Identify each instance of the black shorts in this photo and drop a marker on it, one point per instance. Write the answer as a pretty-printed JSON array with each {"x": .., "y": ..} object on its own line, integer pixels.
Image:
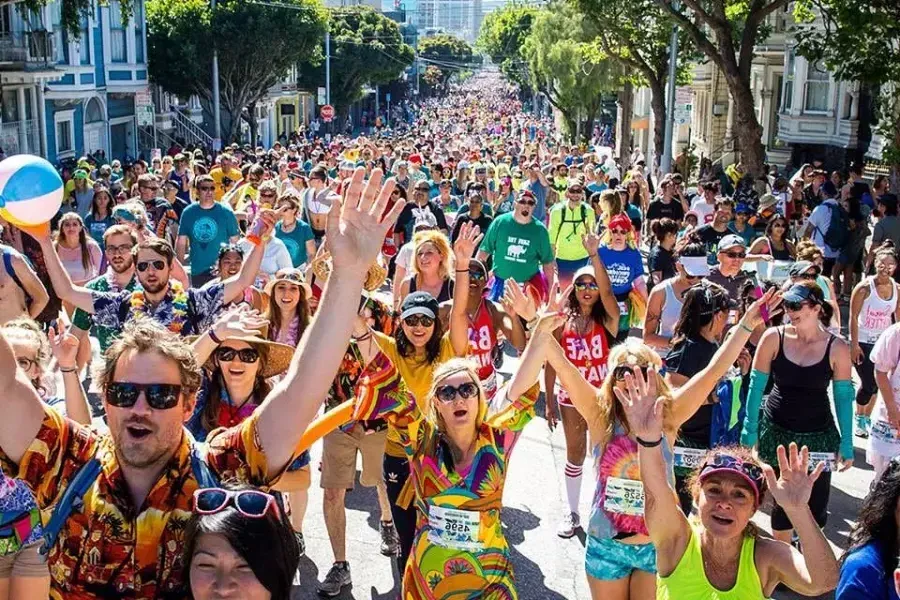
[
  {"x": 818, "y": 504},
  {"x": 866, "y": 371}
]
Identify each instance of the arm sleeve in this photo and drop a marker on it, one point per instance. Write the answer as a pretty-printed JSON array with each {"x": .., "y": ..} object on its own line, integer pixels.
[
  {"x": 842, "y": 389},
  {"x": 750, "y": 430}
]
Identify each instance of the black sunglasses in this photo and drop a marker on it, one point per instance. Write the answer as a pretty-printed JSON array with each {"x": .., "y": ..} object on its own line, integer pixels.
[
  {"x": 527, "y": 202},
  {"x": 160, "y": 396},
  {"x": 416, "y": 320},
  {"x": 622, "y": 370},
  {"x": 159, "y": 265},
  {"x": 245, "y": 355},
  {"x": 448, "y": 393},
  {"x": 794, "y": 306}
]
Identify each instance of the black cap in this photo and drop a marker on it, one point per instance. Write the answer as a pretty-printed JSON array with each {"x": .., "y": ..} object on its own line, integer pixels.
[{"x": 419, "y": 303}]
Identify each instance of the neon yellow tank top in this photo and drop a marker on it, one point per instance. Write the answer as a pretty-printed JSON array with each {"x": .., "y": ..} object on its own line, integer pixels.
[{"x": 688, "y": 580}]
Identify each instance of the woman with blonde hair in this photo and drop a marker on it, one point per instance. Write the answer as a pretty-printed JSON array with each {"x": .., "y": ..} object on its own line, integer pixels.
[
  {"x": 431, "y": 270},
  {"x": 621, "y": 560}
]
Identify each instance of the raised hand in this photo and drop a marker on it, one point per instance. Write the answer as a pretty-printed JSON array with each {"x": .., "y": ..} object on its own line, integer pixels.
[
  {"x": 793, "y": 487},
  {"x": 557, "y": 301},
  {"x": 517, "y": 302},
  {"x": 238, "y": 321},
  {"x": 754, "y": 316},
  {"x": 464, "y": 247},
  {"x": 64, "y": 345},
  {"x": 358, "y": 223},
  {"x": 591, "y": 243},
  {"x": 643, "y": 407}
]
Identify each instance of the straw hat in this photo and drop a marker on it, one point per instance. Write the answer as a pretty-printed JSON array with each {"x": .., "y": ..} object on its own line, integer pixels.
[
  {"x": 375, "y": 277},
  {"x": 293, "y": 276},
  {"x": 277, "y": 356}
]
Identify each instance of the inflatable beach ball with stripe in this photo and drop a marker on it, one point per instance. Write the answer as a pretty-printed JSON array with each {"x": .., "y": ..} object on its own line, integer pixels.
[{"x": 31, "y": 190}]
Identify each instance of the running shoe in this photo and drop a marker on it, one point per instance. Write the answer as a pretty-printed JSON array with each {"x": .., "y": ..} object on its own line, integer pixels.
[
  {"x": 861, "y": 426},
  {"x": 301, "y": 542},
  {"x": 338, "y": 577},
  {"x": 570, "y": 523},
  {"x": 390, "y": 541}
]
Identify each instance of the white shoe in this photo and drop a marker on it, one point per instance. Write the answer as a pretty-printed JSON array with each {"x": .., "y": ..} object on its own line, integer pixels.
[{"x": 570, "y": 523}]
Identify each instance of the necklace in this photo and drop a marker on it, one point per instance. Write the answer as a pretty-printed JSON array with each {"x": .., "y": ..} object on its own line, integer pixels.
[{"x": 179, "y": 305}]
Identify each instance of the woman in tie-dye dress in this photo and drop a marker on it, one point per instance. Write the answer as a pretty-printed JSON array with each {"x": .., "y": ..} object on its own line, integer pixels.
[{"x": 458, "y": 454}]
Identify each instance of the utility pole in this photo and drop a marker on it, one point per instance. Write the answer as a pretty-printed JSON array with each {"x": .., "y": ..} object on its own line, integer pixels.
[
  {"x": 217, "y": 112},
  {"x": 327, "y": 67},
  {"x": 665, "y": 159},
  {"x": 417, "y": 67}
]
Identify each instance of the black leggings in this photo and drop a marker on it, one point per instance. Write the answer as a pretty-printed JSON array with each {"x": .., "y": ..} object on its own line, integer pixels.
[
  {"x": 866, "y": 371},
  {"x": 818, "y": 504},
  {"x": 396, "y": 472}
]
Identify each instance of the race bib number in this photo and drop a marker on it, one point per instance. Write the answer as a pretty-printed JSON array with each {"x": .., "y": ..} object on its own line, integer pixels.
[
  {"x": 623, "y": 308},
  {"x": 455, "y": 529},
  {"x": 883, "y": 431},
  {"x": 689, "y": 458},
  {"x": 829, "y": 458},
  {"x": 624, "y": 496}
]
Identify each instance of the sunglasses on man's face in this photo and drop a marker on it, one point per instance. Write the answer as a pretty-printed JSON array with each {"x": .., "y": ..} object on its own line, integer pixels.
[
  {"x": 206, "y": 188},
  {"x": 416, "y": 320},
  {"x": 527, "y": 202},
  {"x": 245, "y": 355},
  {"x": 160, "y": 396},
  {"x": 735, "y": 255},
  {"x": 157, "y": 265},
  {"x": 448, "y": 393}
]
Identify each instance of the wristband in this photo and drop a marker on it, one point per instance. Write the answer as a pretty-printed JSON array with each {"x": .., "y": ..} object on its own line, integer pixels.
[
  {"x": 70, "y": 370},
  {"x": 462, "y": 270},
  {"x": 647, "y": 444},
  {"x": 745, "y": 328},
  {"x": 214, "y": 337}
]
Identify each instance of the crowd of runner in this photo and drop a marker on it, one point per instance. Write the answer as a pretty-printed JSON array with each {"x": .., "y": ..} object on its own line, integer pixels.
[{"x": 362, "y": 293}]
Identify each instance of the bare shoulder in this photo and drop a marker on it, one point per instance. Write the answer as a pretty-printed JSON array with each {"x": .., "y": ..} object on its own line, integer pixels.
[{"x": 770, "y": 557}]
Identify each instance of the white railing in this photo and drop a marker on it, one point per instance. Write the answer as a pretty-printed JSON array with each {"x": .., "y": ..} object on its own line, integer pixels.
[
  {"x": 184, "y": 127},
  {"x": 18, "y": 137},
  {"x": 27, "y": 47}
]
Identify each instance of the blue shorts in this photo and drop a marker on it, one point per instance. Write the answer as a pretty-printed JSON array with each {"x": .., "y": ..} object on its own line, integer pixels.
[{"x": 609, "y": 560}]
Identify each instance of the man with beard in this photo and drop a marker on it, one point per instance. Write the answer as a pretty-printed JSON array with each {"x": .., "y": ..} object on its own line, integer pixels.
[
  {"x": 183, "y": 311},
  {"x": 519, "y": 246},
  {"x": 119, "y": 241},
  {"x": 148, "y": 195},
  {"x": 712, "y": 233},
  {"x": 127, "y": 538}
]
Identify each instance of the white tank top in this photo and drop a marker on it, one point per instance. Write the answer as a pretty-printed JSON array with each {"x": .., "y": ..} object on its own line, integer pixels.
[
  {"x": 671, "y": 310},
  {"x": 876, "y": 314}
]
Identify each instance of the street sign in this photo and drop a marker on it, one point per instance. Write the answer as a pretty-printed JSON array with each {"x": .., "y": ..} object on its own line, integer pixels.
[
  {"x": 320, "y": 97},
  {"x": 143, "y": 98},
  {"x": 684, "y": 97},
  {"x": 327, "y": 113},
  {"x": 145, "y": 115},
  {"x": 387, "y": 96}
]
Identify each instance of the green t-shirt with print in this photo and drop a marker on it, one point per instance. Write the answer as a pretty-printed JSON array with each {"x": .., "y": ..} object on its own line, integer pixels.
[{"x": 519, "y": 251}]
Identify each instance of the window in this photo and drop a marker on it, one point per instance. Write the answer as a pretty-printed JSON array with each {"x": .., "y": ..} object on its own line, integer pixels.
[
  {"x": 788, "y": 95},
  {"x": 138, "y": 31},
  {"x": 5, "y": 20},
  {"x": 64, "y": 139},
  {"x": 60, "y": 38},
  {"x": 817, "y": 88},
  {"x": 84, "y": 43},
  {"x": 10, "y": 110},
  {"x": 118, "y": 52}
]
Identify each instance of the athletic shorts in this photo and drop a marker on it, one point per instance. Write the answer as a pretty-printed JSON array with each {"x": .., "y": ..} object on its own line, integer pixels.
[
  {"x": 609, "y": 559},
  {"x": 339, "y": 458},
  {"x": 27, "y": 562}
]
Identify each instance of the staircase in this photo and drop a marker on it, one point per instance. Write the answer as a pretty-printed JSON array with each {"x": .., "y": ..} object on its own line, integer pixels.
[{"x": 187, "y": 130}]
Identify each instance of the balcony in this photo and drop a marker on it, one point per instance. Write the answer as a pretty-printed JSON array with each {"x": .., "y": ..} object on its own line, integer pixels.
[
  {"x": 20, "y": 137},
  {"x": 27, "y": 51}
]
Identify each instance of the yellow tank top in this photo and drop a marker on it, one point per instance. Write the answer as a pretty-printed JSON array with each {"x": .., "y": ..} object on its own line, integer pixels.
[{"x": 688, "y": 581}]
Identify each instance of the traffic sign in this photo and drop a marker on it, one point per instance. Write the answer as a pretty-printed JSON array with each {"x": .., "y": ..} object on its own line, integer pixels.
[
  {"x": 327, "y": 113},
  {"x": 684, "y": 97},
  {"x": 321, "y": 96}
]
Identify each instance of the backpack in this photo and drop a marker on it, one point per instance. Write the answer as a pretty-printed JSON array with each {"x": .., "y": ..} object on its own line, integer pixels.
[
  {"x": 583, "y": 221},
  {"x": 838, "y": 232},
  {"x": 85, "y": 477}
]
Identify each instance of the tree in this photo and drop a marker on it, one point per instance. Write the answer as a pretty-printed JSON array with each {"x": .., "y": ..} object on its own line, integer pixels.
[
  {"x": 447, "y": 54},
  {"x": 502, "y": 37},
  {"x": 73, "y": 11},
  {"x": 565, "y": 66},
  {"x": 726, "y": 31},
  {"x": 366, "y": 49},
  {"x": 257, "y": 46},
  {"x": 859, "y": 42},
  {"x": 636, "y": 34}
]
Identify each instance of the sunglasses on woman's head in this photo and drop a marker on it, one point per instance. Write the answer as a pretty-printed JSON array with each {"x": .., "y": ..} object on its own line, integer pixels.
[
  {"x": 727, "y": 461},
  {"x": 416, "y": 320},
  {"x": 245, "y": 355},
  {"x": 253, "y": 504},
  {"x": 448, "y": 393},
  {"x": 160, "y": 396},
  {"x": 158, "y": 265}
]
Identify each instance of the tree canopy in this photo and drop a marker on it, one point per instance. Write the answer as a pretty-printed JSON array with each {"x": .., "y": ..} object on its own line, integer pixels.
[
  {"x": 257, "y": 46},
  {"x": 502, "y": 38},
  {"x": 367, "y": 49}
]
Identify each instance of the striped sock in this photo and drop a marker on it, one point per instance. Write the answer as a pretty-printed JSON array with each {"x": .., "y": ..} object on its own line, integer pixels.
[{"x": 573, "y": 485}]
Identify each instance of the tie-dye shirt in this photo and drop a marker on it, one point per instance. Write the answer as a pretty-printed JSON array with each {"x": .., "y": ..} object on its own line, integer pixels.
[
  {"x": 110, "y": 548},
  {"x": 459, "y": 549}
]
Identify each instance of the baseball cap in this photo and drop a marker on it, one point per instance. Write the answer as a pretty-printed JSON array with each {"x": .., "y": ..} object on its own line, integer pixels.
[
  {"x": 695, "y": 266},
  {"x": 586, "y": 270},
  {"x": 801, "y": 267},
  {"x": 742, "y": 209},
  {"x": 798, "y": 293},
  {"x": 731, "y": 241},
  {"x": 419, "y": 303}
]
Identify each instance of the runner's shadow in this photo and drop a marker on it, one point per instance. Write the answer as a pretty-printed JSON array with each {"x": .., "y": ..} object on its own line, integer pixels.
[
  {"x": 529, "y": 577},
  {"x": 365, "y": 500}
]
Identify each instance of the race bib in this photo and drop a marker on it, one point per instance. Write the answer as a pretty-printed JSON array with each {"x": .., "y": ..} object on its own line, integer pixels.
[
  {"x": 689, "y": 458},
  {"x": 623, "y": 308},
  {"x": 829, "y": 458},
  {"x": 624, "y": 496},
  {"x": 883, "y": 431},
  {"x": 455, "y": 529}
]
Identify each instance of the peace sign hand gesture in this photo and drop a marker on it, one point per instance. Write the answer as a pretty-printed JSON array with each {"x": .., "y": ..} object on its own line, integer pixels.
[
  {"x": 794, "y": 486},
  {"x": 643, "y": 407}
]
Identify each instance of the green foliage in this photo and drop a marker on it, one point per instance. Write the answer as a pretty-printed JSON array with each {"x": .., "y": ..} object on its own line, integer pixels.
[
  {"x": 502, "y": 37},
  {"x": 257, "y": 45},
  {"x": 75, "y": 11},
  {"x": 367, "y": 48},
  {"x": 447, "y": 54}
]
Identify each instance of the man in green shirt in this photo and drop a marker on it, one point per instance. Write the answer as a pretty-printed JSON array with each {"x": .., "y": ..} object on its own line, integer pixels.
[
  {"x": 519, "y": 247},
  {"x": 569, "y": 221},
  {"x": 118, "y": 241}
]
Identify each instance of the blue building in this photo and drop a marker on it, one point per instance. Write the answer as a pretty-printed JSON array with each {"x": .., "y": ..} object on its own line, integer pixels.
[{"x": 62, "y": 96}]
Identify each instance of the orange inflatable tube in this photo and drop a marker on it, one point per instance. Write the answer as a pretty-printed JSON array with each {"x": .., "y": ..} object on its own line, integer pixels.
[{"x": 324, "y": 425}]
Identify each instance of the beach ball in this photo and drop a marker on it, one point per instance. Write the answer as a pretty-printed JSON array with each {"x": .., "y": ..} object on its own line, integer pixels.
[{"x": 31, "y": 191}]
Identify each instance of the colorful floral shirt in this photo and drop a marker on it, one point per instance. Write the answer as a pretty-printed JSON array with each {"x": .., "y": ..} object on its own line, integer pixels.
[
  {"x": 110, "y": 548},
  {"x": 85, "y": 321},
  {"x": 459, "y": 549},
  {"x": 113, "y": 309}
]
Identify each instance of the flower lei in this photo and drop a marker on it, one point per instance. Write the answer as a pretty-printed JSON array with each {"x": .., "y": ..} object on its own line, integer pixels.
[{"x": 179, "y": 305}]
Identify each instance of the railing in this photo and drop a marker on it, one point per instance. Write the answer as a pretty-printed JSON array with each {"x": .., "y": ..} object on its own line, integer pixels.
[
  {"x": 184, "y": 127},
  {"x": 18, "y": 137},
  {"x": 33, "y": 47}
]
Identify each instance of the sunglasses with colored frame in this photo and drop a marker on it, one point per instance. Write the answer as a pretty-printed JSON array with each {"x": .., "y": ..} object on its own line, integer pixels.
[
  {"x": 586, "y": 286},
  {"x": 158, "y": 265},
  {"x": 477, "y": 274},
  {"x": 448, "y": 393},
  {"x": 416, "y": 320},
  {"x": 160, "y": 396},
  {"x": 245, "y": 355},
  {"x": 253, "y": 504}
]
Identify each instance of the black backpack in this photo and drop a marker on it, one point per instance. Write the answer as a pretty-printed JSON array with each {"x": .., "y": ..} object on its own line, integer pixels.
[{"x": 838, "y": 232}]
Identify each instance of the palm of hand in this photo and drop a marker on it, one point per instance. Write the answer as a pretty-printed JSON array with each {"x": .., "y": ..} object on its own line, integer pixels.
[
  {"x": 792, "y": 492},
  {"x": 356, "y": 237},
  {"x": 66, "y": 348}
]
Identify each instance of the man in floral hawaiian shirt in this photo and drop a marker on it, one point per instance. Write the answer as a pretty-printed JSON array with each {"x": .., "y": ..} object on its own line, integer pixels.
[
  {"x": 128, "y": 538},
  {"x": 186, "y": 312}
]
